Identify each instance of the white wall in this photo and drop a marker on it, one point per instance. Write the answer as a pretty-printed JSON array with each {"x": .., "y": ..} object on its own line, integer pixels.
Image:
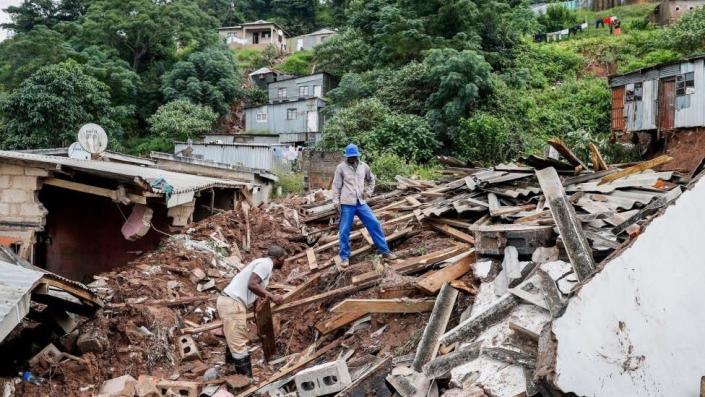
[{"x": 636, "y": 328}]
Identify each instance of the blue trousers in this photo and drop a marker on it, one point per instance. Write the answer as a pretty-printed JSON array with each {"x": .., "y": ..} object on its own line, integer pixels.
[{"x": 363, "y": 211}]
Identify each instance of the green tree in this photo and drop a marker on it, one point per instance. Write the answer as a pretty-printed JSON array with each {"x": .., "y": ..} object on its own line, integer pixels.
[
  {"x": 296, "y": 16},
  {"x": 343, "y": 53},
  {"x": 32, "y": 13},
  {"x": 298, "y": 63},
  {"x": 209, "y": 77},
  {"x": 557, "y": 17},
  {"x": 49, "y": 107},
  {"x": 688, "y": 35},
  {"x": 181, "y": 120}
]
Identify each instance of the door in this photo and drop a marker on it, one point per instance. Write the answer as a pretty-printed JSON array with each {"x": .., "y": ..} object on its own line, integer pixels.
[
  {"x": 312, "y": 122},
  {"x": 618, "y": 108},
  {"x": 666, "y": 105},
  {"x": 299, "y": 44},
  {"x": 255, "y": 37}
]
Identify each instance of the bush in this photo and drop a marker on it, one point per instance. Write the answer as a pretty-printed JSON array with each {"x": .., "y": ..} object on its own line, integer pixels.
[
  {"x": 388, "y": 165},
  {"x": 299, "y": 63},
  {"x": 249, "y": 59},
  {"x": 557, "y": 17},
  {"x": 255, "y": 96},
  {"x": 486, "y": 138},
  {"x": 348, "y": 124},
  {"x": 290, "y": 184},
  {"x": 688, "y": 35},
  {"x": 180, "y": 120}
]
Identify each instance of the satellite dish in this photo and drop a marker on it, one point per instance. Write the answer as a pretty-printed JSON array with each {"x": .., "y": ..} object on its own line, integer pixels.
[
  {"x": 93, "y": 138},
  {"x": 78, "y": 153}
]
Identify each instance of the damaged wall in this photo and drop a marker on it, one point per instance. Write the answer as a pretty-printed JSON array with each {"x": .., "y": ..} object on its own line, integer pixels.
[
  {"x": 83, "y": 234},
  {"x": 633, "y": 329}
]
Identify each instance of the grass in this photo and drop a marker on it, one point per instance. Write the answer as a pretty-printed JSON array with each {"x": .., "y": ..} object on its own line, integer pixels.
[
  {"x": 290, "y": 183},
  {"x": 249, "y": 59}
]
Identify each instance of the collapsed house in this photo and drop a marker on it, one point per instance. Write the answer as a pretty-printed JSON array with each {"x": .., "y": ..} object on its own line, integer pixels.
[
  {"x": 81, "y": 217},
  {"x": 547, "y": 277}
]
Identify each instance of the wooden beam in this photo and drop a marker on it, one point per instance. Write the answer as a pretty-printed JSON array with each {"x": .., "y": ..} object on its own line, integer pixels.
[
  {"x": 311, "y": 256},
  {"x": 301, "y": 288},
  {"x": 316, "y": 298},
  {"x": 598, "y": 163},
  {"x": 643, "y": 166},
  {"x": 338, "y": 321},
  {"x": 433, "y": 282},
  {"x": 366, "y": 236},
  {"x": 504, "y": 211},
  {"x": 576, "y": 245},
  {"x": 94, "y": 190},
  {"x": 413, "y": 264},
  {"x": 568, "y": 154},
  {"x": 452, "y": 222},
  {"x": 384, "y": 306},
  {"x": 454, "y": 233},
  {"x": 265, "y": 328}
]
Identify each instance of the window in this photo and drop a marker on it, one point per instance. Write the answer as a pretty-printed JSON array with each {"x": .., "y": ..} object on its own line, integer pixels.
[
  {"x": 317, "y": 91},
  {"x": 261, "y": 117},
  {"x": 634, "y": 92},
  {"x": 291, "y": 114},
  {"x": 303, "y": 91},
  {"x": 685, "y": 84},
  {"x": 281, "y": 93}
]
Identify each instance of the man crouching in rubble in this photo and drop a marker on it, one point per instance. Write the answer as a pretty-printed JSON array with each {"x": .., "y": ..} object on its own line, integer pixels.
[
  {"x": 353, "y": 184},
  {"x": 239, "y": 296}
]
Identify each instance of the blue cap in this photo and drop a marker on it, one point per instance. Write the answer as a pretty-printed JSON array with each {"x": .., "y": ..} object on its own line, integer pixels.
[{"x": 352, "y": 151}]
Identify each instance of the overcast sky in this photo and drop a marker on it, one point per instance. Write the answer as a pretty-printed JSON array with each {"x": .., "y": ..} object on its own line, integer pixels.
[{"x": 3, "y": 16}]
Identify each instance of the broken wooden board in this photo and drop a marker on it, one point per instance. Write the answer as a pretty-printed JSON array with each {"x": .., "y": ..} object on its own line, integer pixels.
[
  {"x": 576, "y": 245},
  {"x": 454, "y": 233},
  {"x": 338, "y": 321},
  {"x": 265, "y": 328},
  {"x": 311, "y": 256},
  {"x": 568, "y": 154},
  {"x": 433, "y": 282},
  {"x": 493, "y": 239},
  {"x": 643, "y": 166},
  {"x": 384, "y": 306},
  {"x": 598, "y": 163}
]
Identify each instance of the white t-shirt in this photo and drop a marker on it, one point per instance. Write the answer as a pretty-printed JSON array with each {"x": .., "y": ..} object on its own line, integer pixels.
[{"x": 238, "y": 287}]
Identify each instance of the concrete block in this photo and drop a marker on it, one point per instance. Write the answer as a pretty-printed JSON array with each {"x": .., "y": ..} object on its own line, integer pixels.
[
  {"x": 16, "y": 196},
  {"x": 23, "y": 182},
  {"x": 9, "y": 169},
  {"x": 5, "y": 181},
  {"x": 188, "y": 349},
  {"x": 147, "y": 386},
  {"x": 323, "y": 379},
  {"x": 123, "y": 386},
  {"x": 68, "y": 341},
  {"x": 45, "y": 359},
  {"x": 196, "y": 275},
  {"x": 178, "y": 388},
  {"x": 4, "y": 209},
  {"x": 32, "y": 210},
  {"x": 91, "y": 342},
  {"x": 29, "y": 171}
]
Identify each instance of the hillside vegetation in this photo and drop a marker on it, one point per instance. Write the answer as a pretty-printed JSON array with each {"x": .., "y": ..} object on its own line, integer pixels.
[{"x": 417, "y": 78}]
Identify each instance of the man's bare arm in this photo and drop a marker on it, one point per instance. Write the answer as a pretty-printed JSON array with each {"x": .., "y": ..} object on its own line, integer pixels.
[{"x": 257, "y": 289}]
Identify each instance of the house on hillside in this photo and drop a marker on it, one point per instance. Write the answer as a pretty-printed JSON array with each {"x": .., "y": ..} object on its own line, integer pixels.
[
  {"x": 258, "y": 34},
  {"x": 663, "y": 107},
  {"x": 294, "y": 109},
  {"x": 308, "y": 41},
  {"x": 670, "y": 11},
  {"x": 263, "y": 76}
]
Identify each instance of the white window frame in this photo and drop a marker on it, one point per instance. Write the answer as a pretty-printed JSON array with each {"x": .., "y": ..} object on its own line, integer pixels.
[
  {"x": 261, "y": 117},
  {"x": 291, "y": 111},
  {"x": 281, "y": 93},
  {"x": 303, "y": 88}
]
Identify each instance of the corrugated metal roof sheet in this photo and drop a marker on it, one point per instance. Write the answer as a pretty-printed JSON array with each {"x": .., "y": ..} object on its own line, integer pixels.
[
  {"x": 182, "y": 183},
  {"x": 16, "y": 285}
]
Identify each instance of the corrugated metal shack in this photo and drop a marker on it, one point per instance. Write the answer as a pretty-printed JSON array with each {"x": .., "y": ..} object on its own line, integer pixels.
[
  {"x": 661, "y": 98},
  {"x": 264, "y": 157}
]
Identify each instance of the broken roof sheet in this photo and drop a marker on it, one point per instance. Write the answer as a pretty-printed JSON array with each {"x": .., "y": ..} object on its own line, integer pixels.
[
  {"x": 182, "y": 183},
  {"x": 16, "y": 285}
]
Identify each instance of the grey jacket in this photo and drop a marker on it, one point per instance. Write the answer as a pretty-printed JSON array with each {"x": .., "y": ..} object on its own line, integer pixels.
[{"x": 351, "y": 185}]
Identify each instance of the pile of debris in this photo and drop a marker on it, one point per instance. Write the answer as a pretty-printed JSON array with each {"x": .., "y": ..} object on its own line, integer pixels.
[{"x": 488, "y": 259}]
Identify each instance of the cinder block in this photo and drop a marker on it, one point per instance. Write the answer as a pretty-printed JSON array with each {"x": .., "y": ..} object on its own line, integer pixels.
[
  {"x": 23, "y": 182},
  {"x": 5, "y": 181},
  {"x": 14, "y": 210},
  {"x": 123, "y": 386},
  {"x": 9, "y": 169},
  {"x": 4, "y": 209},
  {"x": 32, "y": 209},
  {"x": 29, "y": 171},
  {"x": 147, "y": 387},
  {"x": 180, "y": 388},
  {"x": 45, "y": 359},
  {"x": 323, "y": 379},
  {"x": 15, "y": 196},
  {"x": 188, "y": 348}
]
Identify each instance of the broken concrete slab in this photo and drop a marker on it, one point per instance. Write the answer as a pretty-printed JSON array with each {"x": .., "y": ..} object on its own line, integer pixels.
[
  {"x": 436, "y": 326},
  {"x": 123, "y": 386},
  {"x": 545, "y": 254},
  {"x": 91, "y": 341},
  {"x": 485, "y": 270},
  {"x": 556, "y": 269},
  {"x": 648, "y": 342},
  {"x": 510, "y": 356},
  {"x": 472, "y": 327},
  {"x": 409, "y": 383},
  {"x": 146, "y": 386},
  {"x": 443, "y": 364}
]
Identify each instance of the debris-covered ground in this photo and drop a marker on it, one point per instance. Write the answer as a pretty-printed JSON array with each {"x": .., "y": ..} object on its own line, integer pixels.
[{"x": 487, "y": 258}]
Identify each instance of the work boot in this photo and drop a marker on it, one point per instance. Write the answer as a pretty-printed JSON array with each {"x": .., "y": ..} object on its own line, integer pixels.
[
  {"x": 390, "y": 256},
  {"x": 243, "y": 366}
]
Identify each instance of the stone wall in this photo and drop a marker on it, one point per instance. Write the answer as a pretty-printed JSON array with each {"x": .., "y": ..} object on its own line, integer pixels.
[
  {"x": 21, "y": 213},
  {"x": 319, "y": 167}
]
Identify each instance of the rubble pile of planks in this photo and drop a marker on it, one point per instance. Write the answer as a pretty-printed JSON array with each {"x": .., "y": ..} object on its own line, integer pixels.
[{"x": 528, "y": 234}]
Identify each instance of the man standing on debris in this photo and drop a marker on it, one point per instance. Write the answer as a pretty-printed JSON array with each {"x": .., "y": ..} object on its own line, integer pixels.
[
  {"x": 239, "y": 296},
  {"x": 353, "y": 184}
]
